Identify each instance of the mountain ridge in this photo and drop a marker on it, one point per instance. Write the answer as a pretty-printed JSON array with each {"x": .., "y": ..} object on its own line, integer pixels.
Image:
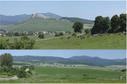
[
  {"x": 94, "y": 61},
  {"x": 13, "y": 19}
]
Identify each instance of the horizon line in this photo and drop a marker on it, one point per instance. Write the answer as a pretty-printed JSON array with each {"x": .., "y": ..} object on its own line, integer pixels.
[{"x": 68, "y": 57}]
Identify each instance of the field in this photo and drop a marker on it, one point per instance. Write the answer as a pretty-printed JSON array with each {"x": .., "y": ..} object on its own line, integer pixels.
[
  {"x": 106, "y": 41},
  {"x": 72, "y": 75},
  {"x": 113, "y": 41}
]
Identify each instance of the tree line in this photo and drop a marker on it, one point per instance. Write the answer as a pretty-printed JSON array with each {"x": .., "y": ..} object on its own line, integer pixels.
[
  {"x": 102, "y": 25},
  {"x": 105, "y": 25}
]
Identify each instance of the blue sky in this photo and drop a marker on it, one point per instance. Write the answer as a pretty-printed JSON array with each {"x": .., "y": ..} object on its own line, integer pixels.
[
  {"x": 109, "y": 54},
  {"x": 83, "y": 9}
]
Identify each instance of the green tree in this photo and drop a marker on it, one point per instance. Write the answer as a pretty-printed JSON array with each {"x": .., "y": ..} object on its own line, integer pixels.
[
  {"x": 106, "y": 24},
  {"x": 77, "y": 26},
  {"x": 101, "y": 25},
  {"x": 122, "y": 22},
  {"x": 98, "y": 25},
  {"x": 115, "y": 24},
  {"x": 6, "y": 60}
]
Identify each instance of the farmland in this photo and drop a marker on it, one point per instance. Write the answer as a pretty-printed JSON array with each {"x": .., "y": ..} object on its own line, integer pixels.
[{"x": 72, "y": 75}]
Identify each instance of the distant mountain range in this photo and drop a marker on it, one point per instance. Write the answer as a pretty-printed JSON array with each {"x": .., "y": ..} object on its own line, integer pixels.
[
  {"x": 5, "y": 20},
  {"x": 92, "y": 61}
]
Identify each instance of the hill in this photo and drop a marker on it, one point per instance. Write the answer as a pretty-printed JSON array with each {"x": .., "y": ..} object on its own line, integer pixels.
[
  {"x": 52, "y": 15},
  {"x": 92, "y": 61},
  {"x": 6, "y": 20},
  {"x": 41, "y": 24},
  {"x": 75, "y": 19}
]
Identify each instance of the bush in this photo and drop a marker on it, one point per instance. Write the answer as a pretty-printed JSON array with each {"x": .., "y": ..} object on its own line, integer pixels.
[
  {"x": 21, "y": 74},
  {"x": 8, "y": 71},
  {"x": 4, "y": 43},
  {"x": 23, "y": 43},
  {"x": 87, "y": 31},
  {"x": 41, "y": 36},
  {"x": 74, "y": 34},
  {"x": 59, "y": 34}
]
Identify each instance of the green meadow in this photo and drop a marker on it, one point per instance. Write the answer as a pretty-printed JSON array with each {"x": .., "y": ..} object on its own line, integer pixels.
[
  {"x": 108, "y": 41},
  {"x": 105, "y": 41},
  {"x": 71, "y": 75}
]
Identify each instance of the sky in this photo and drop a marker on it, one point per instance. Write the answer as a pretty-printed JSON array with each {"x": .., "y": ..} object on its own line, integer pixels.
[
  {"x": 82, "y": 9},
  {"x": 108, "y": 54}
]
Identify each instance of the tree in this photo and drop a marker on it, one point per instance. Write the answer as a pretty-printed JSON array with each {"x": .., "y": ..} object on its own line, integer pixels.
[
  {"x": 101, "y": 25},
  {"x": 97, "y": 25},
  {"x": 122, "y": 22},
  {"x": 77, "y": 26},
  {"x": 6, "y": 60},
  {"x": 106, "y": 25},
  {"x": 115, "y": 24}
]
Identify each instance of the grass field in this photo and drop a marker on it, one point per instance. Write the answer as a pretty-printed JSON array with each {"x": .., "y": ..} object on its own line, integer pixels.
[
  {"x": 112, "y": 41},
  {"x": 72, "y": 75},
  {"x": 106, "y": 41}
]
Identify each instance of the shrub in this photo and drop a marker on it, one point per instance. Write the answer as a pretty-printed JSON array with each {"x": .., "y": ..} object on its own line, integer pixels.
[
  {"x": 8, "y": 71},
  {"x": 87, "y": 31},
  {"x": 74, "y": 34},
  {"x": 23, "y": 43},
  {"x": 4, "y": 43},
  {"x": 21, "y": 74},
  {"x": 59, "y": 34},
  {"x": 41, "y": 36}
]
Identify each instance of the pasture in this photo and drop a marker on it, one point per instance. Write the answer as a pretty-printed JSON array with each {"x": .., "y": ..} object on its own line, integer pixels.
[
  {"x": 71, "y": 75},
  {"x": 105, "y": 41}
]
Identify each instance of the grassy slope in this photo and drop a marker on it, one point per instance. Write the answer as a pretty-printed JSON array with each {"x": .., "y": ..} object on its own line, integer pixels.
[
  {"x": 39, "y": 24},
  {"x": 72, "y": 75},
  {"x": 112, "y": 41}
]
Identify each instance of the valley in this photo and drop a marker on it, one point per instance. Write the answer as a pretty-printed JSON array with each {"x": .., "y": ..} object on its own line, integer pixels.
[{"x": 48, "y": 69}]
